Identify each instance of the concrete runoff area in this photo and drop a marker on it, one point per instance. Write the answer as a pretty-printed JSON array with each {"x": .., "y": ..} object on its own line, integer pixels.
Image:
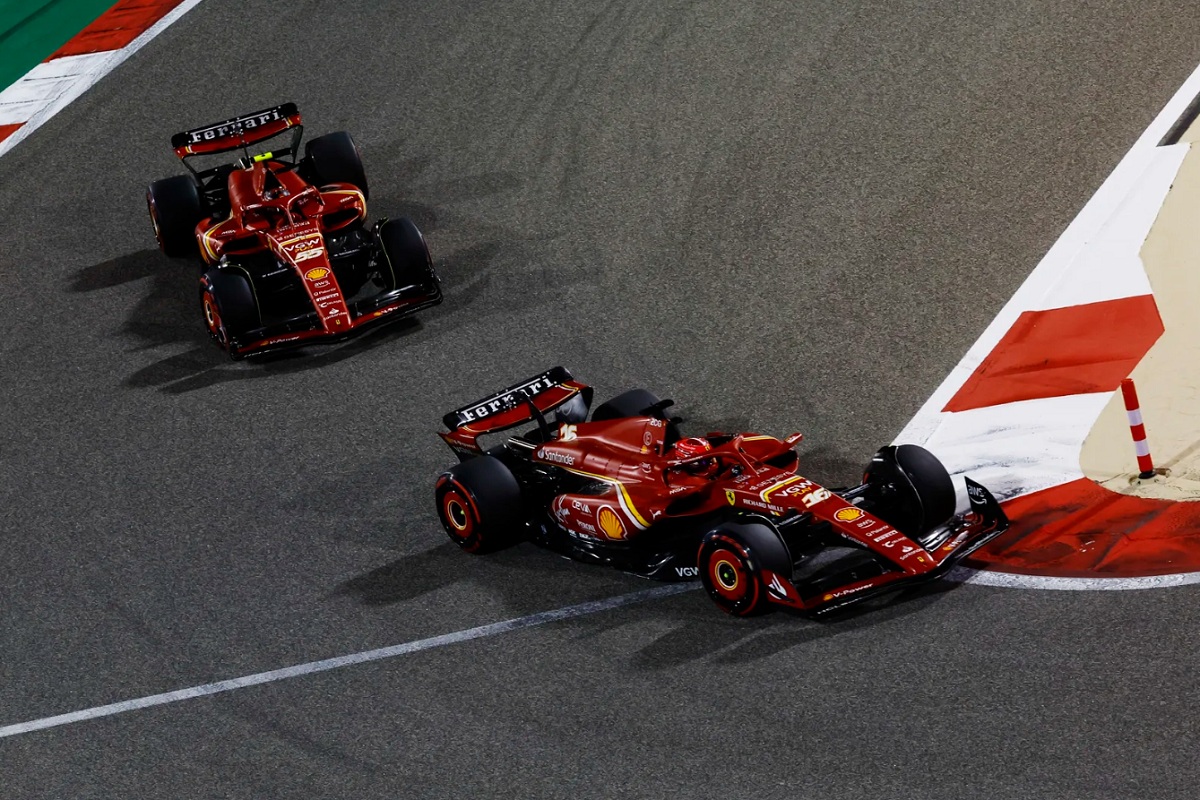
[{"x": 1168, "y": 377}]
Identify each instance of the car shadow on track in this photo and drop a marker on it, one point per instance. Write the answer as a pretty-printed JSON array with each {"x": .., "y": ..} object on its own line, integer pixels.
[
  {"x": 168, "y": 315},
  {"x": 702, "y": 632},
  {"x": 520, "y": 579}
]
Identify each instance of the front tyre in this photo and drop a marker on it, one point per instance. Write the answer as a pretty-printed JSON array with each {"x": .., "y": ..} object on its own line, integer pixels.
[
  {"x": 479, "y": 504},
  {"x": 917, "y": 494},
  {"x": 731, "y": 561},
  {"x": 403, "y": 255},
  {"x": 228, "y": 305}
]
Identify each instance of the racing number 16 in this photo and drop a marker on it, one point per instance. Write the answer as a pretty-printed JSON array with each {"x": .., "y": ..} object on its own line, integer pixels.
[{"x": 814, "y": 497}]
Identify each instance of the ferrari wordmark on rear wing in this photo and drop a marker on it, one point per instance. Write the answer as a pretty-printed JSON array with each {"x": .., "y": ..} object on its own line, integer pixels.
[
  {"x": 513, "y": 406},
  {"x": 237, "y": 131}
]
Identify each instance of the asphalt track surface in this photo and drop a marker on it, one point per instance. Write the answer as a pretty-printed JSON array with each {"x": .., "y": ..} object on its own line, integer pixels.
[{"x": 786, "y": 215}]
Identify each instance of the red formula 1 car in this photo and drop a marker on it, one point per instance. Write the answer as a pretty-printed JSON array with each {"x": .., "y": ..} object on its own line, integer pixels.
[
  {"x": 287, "y": 258},
  {"x": 625, "y": 489}
]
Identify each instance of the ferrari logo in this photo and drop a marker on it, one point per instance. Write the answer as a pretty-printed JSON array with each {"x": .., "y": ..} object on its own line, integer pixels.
[{"x": 730, "y": 496}]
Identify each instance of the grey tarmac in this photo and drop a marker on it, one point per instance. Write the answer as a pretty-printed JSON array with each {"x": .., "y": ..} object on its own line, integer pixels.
[{"x": 785, "y": 215}]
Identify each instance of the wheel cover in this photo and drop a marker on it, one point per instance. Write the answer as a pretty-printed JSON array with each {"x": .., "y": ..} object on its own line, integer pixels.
[
  {"x": 456, "y": 513},
  {"x": 154, "y": 222},
  {"x": 212, "y": 318},
  {"x": 729, "y": 575}
]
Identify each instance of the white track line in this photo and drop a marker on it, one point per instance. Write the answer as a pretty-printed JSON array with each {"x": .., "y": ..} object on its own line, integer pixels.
[
  {"x": 1010, "y": 580},
  {"x": 311, "y": 667}
]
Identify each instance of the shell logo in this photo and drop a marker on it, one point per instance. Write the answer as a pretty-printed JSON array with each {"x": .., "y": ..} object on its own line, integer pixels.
[
  {"x": 316, "y": 273},
  {"x": 848, "y": 514},
  {"x": 610, "y": 523}
]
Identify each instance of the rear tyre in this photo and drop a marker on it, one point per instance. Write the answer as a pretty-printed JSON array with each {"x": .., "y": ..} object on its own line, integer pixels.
[
  {"x": 632, "y": 403},
  {"x": 404, "y": 255},
  {"x": 731, "y": 560},
  {"x": 334, "y": 158},
  {"x": 923, "y": 496},
  {"x": 175, "y": 207},
  {"x": 479, "y": 504},
  {"x": 228, "y": 305}
]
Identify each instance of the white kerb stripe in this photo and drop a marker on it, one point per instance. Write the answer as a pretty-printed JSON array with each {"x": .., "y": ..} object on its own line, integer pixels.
[{"x": 311, "y": 667}]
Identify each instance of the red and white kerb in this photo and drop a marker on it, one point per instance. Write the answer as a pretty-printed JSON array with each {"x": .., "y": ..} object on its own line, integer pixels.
[{"x": 1140, "y": 446}]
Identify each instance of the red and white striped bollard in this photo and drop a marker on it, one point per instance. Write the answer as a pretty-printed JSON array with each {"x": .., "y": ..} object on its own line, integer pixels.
[{"x": 1140, "y": 446}]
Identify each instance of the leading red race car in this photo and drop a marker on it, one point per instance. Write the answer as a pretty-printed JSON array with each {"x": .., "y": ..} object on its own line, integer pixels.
[
  {"x": 287, "y": 258},
  {"x": 626, "y": 489}
]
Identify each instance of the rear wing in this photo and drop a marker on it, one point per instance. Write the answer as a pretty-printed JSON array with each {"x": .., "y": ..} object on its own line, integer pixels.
[
  {"x": 518, "y": 404},
  {"x": 238, "y": 131}
]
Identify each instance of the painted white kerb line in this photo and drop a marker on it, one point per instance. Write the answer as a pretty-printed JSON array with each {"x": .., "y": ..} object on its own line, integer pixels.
[{"x": 325, "y": 665}]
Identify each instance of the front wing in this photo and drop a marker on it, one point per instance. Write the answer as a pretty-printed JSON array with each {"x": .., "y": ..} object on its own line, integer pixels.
[
  {"x": 966, "y": 534},
  {"x": 366, "y": 314}
]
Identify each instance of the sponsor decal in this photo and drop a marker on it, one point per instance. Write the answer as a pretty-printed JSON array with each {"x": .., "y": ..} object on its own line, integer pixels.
[
  {"x": 647, "y": 438},
  {"x": 610, "y": 523},
  {"x": 233, "y": 127},
  {"x": 729, "y": 495},
  {"x": 776, "y": 587},
  {"x": 587, "y": 526},
  {"x": 848, "y": 514},
  {"x": 556, "y": 458},
  {"x": 955, "y": 542},
  {"x": 687, "y": 572},
  {"x": 318, "y": 274},
  {"x": 578, "y": 506},
  {"x": 505, "y": 401}
]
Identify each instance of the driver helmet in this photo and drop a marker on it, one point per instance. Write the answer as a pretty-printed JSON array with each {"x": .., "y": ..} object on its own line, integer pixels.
[{"x": 691, "y": 447}]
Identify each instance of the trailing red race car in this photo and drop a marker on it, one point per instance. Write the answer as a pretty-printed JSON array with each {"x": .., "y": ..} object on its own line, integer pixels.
[
  {"x": 287, "y": 258},
  {"x": 625, "y": 489}
]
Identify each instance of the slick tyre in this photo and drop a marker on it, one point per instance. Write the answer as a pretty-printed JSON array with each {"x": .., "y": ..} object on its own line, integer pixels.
[
  {"x": 931, "y": 481},
  {"x": 632, "y": 403},
  {"x": 175, "y": 207},
  {"x": 924, "y": 496},
  {"x": 479, "y": 504},
  {"x": 228, "y": 305},
  {"x": 334, "y": 158},
  {"x": 403, "y": 256},
  {"x": 731, "y": 561}
]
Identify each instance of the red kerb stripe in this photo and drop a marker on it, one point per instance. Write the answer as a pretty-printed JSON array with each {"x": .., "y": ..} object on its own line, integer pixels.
[
  {"x": 1080, "y": 529},
  {"x": 1063, "y": 351},
  {"x": 116, "y": 27}
]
